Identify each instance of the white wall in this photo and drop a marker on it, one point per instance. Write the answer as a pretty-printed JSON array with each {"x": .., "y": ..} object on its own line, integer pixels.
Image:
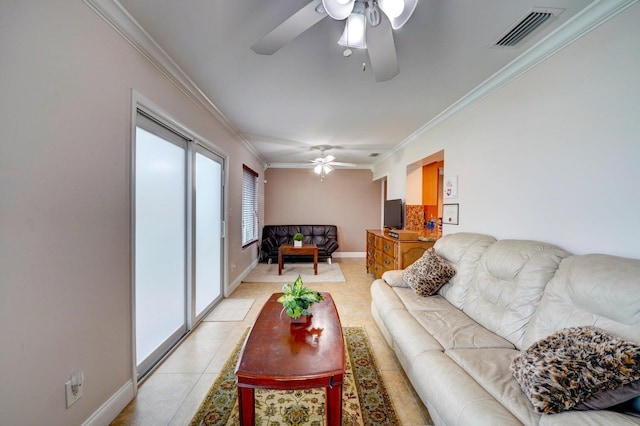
[
  {"x": 554, "y": 155},
  {"x": 66, "y": 79}
]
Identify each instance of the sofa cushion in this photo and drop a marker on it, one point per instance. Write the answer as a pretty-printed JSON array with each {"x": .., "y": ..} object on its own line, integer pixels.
[
  {"x": 451, "y": 327},
  {"x": 453, "y": 396},
  {"x": 580, "y": 294},
  {"x": 463, "y": 250},
  {"x": 427, "y": 274},
  {"x": 490, "y": 369},
  {"x": 508, "y": 284},
  {"x": 574, "y": 364}
]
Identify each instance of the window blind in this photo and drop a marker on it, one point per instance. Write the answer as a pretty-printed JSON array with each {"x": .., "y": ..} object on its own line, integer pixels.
[{"x": 249, "y": 206}]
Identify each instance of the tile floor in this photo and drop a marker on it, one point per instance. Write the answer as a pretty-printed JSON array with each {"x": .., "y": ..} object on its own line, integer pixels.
[{"x": 172, "y": 394}]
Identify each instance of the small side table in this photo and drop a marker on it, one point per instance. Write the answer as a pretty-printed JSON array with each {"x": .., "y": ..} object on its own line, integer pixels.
[{"x": 305, "y": 250}]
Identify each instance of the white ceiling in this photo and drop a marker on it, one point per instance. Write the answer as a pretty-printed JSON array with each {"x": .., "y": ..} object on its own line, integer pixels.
[{"x": 308, "y": 94}]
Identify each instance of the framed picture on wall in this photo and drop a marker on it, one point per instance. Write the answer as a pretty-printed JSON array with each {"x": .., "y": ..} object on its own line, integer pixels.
[
  {"x": 450, "y": 214},
  {"x": 451, "y": 187}
]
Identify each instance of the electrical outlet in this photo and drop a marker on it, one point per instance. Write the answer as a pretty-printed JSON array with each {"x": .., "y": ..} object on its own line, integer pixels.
[{"x": 73, "y": 393}]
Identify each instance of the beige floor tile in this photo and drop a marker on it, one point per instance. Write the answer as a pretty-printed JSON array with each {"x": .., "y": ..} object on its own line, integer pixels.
[
  {"x": 193, "y": 400},
  {"x": 173, "y": 393}
]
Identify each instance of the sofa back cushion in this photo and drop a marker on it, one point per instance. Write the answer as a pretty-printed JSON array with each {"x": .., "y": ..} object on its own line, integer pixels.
[
  {"x": 508, "y": 284},
  {"x": 593, "y": 289},
  {"x": 463, "y": 250},
  {"x": 317, "y": 234}
]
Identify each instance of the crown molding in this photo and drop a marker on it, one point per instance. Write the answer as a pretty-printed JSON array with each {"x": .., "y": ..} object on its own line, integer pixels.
[
  {"x": 591, "y": 17},
  {"x": 120, "y": 20},
  {"x": 586, "y": 20},
  {"x": 311, "y": 165}
]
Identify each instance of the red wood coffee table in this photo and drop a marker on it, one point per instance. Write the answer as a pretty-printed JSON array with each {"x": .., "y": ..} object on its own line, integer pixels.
[
  {"x": 305, "y": 250},
  {"x": 280, "y": 355}
]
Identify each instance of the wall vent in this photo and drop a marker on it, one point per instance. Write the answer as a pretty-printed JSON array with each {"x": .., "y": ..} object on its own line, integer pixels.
[{"x": 528, "y": 23}]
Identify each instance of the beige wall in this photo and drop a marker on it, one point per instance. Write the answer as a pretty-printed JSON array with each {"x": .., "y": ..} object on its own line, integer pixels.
[
  {"x": 66, "y": 79},
  {"x": 346, "y": 198}
]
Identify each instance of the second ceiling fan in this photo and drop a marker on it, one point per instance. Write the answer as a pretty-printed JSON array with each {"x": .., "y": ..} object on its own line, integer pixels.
[
  {"x": 369, "y": 25},
  {"x": 323, "y": 165}
]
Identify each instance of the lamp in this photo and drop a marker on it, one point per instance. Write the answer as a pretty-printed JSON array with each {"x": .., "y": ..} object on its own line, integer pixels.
[
  {"x": 354, "y": 32},
  {"x": 398, "y": 11},
  {"x": 322, "y": 170},
  {"x": 338, "y": 9},
  {"x": 391, "y": 8}
]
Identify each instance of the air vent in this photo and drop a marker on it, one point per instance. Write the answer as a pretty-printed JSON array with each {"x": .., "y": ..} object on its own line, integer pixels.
[{"x": 531, "y": 21}]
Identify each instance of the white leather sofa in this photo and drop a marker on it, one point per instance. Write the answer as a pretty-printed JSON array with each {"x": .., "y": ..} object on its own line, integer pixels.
[{"x": 456, "y": 346}]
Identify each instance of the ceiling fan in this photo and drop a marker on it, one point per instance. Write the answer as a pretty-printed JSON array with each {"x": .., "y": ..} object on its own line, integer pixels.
[
  {"x": 323, "y": 165},
  {"x": 369, "y": 24}
]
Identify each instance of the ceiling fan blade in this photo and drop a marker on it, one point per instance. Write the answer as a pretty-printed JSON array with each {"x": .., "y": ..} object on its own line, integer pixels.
[
  {"x": 295, "y": 25},
  {"x": 328, "y": 158},
  {"x": 382, "y": 50}
]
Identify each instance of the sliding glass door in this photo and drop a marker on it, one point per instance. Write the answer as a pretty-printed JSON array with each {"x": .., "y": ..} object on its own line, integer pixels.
[
  {"x": 178, "y": 239},
  {"x": 160, "y": 241},
  {"x": 208, "y": 230}
]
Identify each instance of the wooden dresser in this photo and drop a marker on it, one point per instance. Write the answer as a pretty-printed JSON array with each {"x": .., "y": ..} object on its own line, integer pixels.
[{"x": 385, "y": 253}]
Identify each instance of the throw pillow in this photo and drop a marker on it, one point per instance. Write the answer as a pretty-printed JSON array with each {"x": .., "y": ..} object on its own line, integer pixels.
[
  {"x": 427, "y": 274},
  {"x": 611, "y": 398},
  {"x": 572, "y": 365}
]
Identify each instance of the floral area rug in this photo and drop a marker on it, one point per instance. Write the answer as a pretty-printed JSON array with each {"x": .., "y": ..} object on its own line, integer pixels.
[{"x": 365, "y": 400}]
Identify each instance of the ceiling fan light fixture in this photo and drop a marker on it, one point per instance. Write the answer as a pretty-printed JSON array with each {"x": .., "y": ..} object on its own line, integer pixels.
[
  {"x": 338, "y": 9},
  {"x": 327, "y": 169},
  {"x": 318, "y": 169},
  {"x": 409, "y": 6},
  {"x": 392, "y": 8},
  {"x": 354, "y": 32}
]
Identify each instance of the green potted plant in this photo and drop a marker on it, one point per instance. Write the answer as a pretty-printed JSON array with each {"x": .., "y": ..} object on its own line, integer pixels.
[
  {"x": 296, "y": 299},
  {"x": 297, "y": 239}
]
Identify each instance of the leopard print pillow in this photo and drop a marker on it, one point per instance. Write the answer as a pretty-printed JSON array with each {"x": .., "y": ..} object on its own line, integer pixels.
[
  {"x": 572, "y": 365},
  {"x": 427, "y": 274}
]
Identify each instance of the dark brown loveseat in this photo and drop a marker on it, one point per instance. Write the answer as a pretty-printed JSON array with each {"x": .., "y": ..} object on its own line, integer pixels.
[{"x": 324, "y": 236}]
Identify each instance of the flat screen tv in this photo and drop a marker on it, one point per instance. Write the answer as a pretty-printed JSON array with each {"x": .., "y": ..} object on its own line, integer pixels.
[{"x": 393, "y": 215}]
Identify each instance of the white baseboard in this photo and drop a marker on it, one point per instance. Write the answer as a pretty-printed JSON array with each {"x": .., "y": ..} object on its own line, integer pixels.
[
  {"x": 348, "y": 254},
  {"x": 112, "y": 407},
  {"x": 237, "y": 281}
]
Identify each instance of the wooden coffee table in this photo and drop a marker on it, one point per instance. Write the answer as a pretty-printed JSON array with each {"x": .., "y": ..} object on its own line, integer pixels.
[
  {"x": 305, "y": 250},
  {"x": 280, "y": 355}
]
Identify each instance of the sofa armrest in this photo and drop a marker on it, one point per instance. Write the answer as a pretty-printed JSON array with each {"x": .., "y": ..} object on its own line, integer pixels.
[
  {"x": 331, "y": 245},
  {"x": 394, "y": 278}
]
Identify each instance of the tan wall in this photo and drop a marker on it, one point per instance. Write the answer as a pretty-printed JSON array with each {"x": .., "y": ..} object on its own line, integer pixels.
[
  {"x": 346, "y": 198},
  {"x": 66, "y": 79}
]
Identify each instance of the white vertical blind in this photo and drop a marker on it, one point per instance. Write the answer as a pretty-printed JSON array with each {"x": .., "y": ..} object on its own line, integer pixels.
[{"x": 249, "y": 206}]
